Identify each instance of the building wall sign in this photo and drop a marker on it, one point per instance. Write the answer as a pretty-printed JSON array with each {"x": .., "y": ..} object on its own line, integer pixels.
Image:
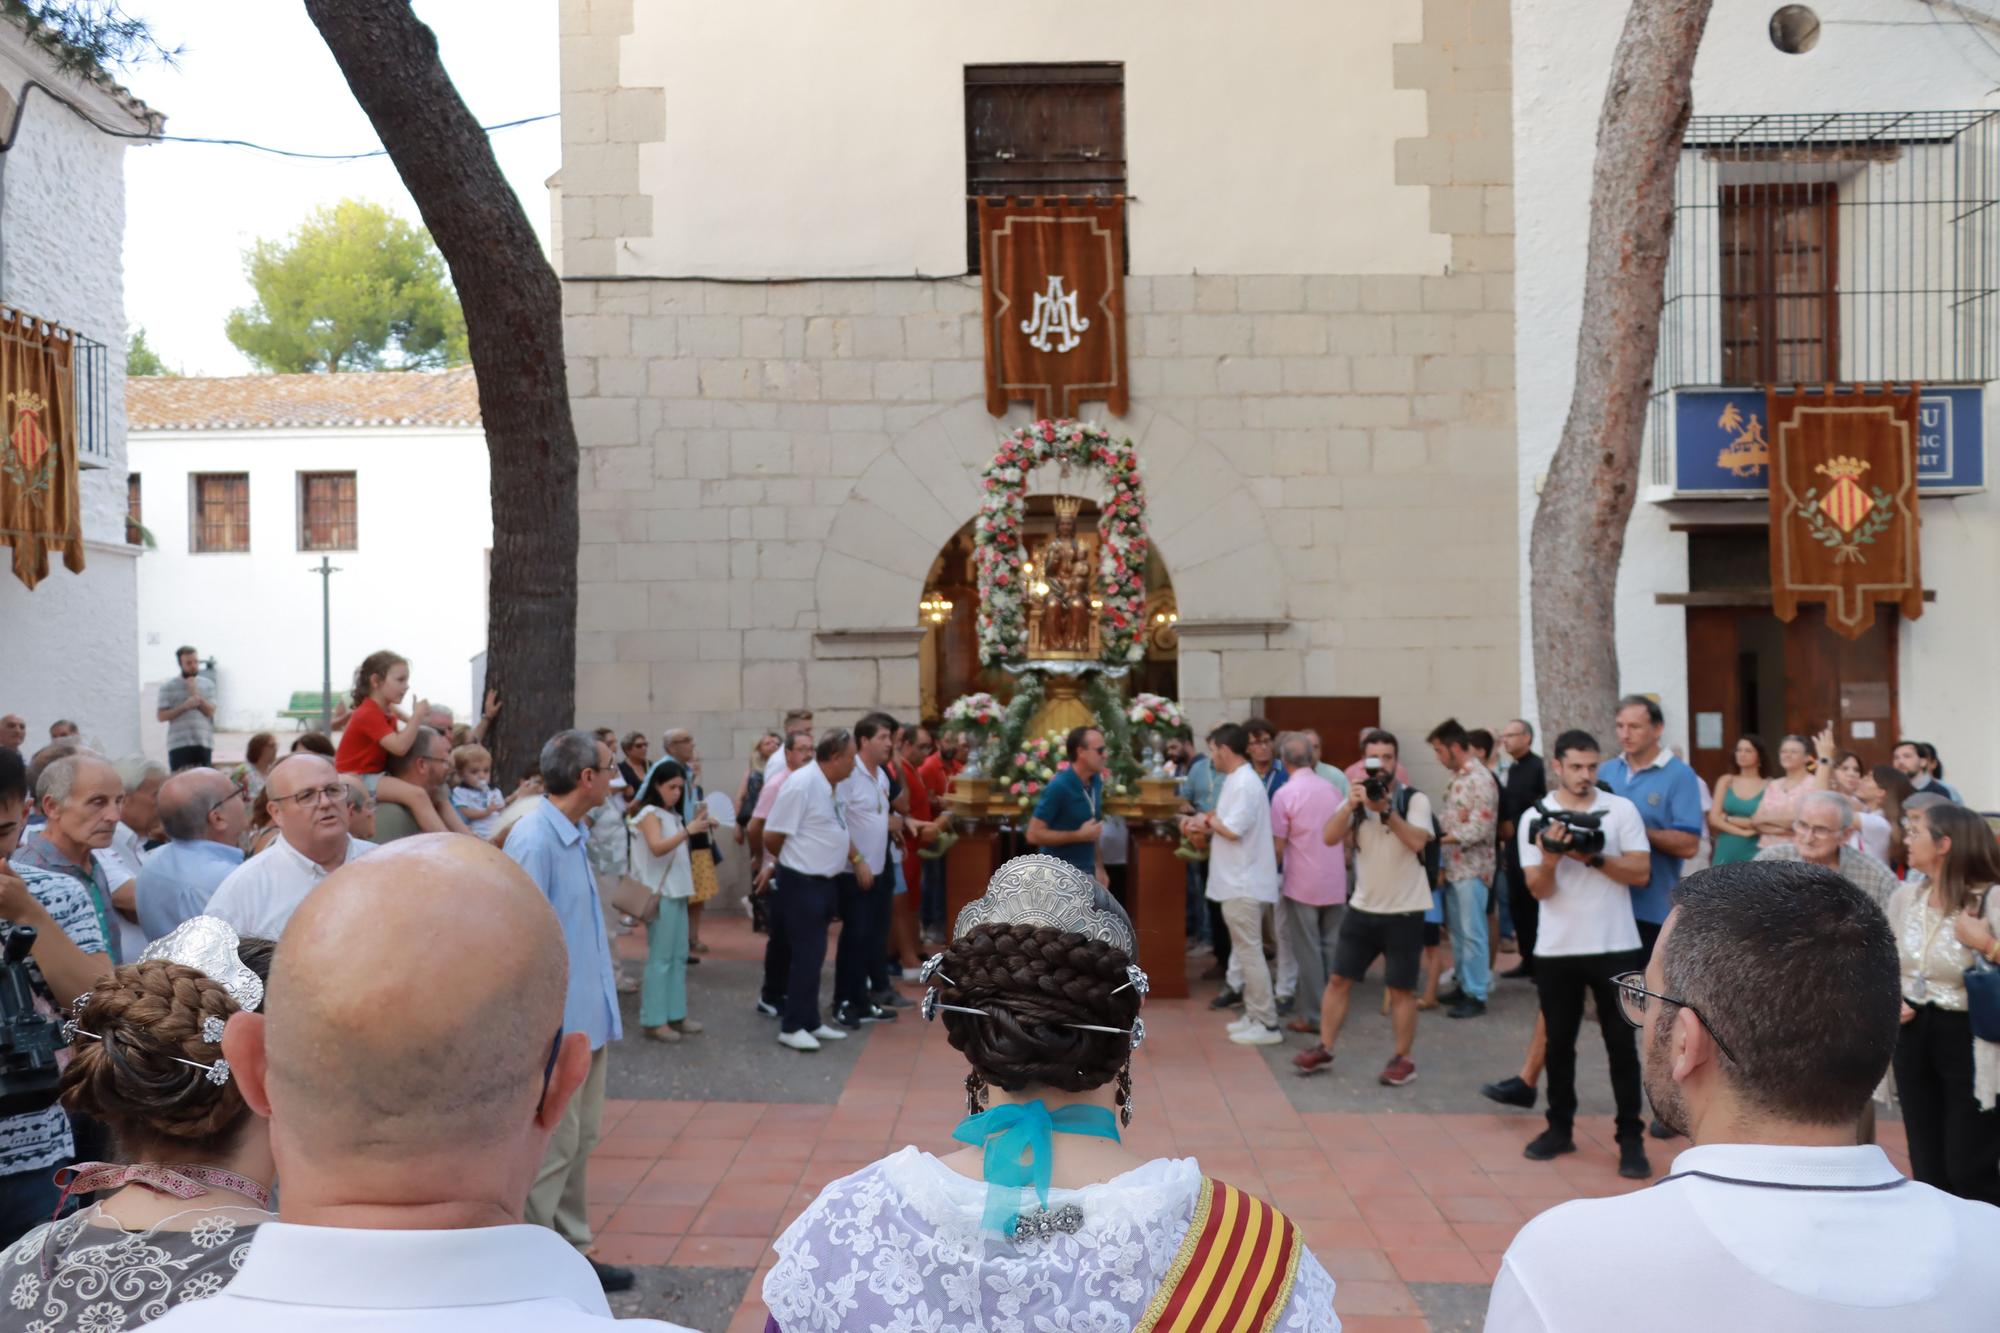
[
  {"x": 1722, "y": 441},
  {"x": 1843, "y": 503},
  {"x": 1054, "y": 303}
]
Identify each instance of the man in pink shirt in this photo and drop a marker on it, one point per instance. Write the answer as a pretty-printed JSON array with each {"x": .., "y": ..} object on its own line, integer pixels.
[
  {"x": 798, "y": 753},
  {"x": 1314, "y": 880}
]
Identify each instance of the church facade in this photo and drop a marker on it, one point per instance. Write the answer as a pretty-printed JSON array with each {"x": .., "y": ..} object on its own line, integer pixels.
[{"x": 773, "y": 323}]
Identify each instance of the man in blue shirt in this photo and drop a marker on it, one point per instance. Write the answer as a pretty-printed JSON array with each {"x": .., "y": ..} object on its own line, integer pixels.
[
  {"x": 1668, "y": 795},
  {"x": 204, "y": 815},
  {"x": 550, "y": 844},
  {"x": 1070, "y": 815}
]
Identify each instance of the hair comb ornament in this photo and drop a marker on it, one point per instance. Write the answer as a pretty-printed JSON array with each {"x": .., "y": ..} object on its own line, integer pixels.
[
  {"x": 208, "y": 945},
  {"x": 1042, "y": 890}
]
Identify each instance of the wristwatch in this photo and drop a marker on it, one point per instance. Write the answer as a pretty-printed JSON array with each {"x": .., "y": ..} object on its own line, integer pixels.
[{"x": 1596, "y": 861}]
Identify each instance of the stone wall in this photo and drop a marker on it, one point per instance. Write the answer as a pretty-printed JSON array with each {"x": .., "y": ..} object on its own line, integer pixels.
[{"x": 770, "y": 467}]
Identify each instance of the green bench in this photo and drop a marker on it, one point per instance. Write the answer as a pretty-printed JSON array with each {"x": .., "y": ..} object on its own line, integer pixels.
[{"x": 306, "y": 706}]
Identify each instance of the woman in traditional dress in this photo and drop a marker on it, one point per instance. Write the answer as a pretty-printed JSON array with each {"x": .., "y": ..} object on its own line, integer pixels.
[
  {"x": 176, "y": 1215},
  {"x": 1044, "y": 1220}
]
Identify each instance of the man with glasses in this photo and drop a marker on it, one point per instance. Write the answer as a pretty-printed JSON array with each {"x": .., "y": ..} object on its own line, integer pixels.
[
  {"x": 1768, "y": 1014},
  {"x": 1583, "y": 851},
  {"x": 426, "y": 764},
  {"x": 1069, "y": 817},
  {"x": 204, "y": 815},
  {"x": 308, "y": 802},
  {"x": 1819, "y": 837}
]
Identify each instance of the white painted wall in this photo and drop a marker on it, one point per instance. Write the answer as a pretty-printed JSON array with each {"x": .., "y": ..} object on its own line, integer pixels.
[
  {"x": 829, "y": 138},
  {"x": 416, "y": 583},
  {"x": 70, "y": 646},
  {"x": 1873, "y": 55}
]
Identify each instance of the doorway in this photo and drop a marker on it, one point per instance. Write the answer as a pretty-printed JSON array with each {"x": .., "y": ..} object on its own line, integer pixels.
[
  {"x": 1750, "y": 672},
  {"x": 1340, "y": 720}
]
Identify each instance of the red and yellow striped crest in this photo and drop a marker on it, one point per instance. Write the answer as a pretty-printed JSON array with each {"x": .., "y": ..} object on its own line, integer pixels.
[{"x": 1234, "y": 1271}]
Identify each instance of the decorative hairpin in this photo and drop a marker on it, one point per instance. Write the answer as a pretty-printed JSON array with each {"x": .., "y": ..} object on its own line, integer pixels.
[
  {"x": 217, "y": 1073},
  {"x": 211, "y": 1029},
  {"x": 1135, "y": 1034},
  {"x": 69, "y": 1027},
  {"x": 933, "y": 967},
  {"x": 1135, "y": 979}
]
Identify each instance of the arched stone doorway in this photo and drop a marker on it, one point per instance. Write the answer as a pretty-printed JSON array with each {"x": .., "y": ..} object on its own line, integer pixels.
[{"x": 948, "y": 658}]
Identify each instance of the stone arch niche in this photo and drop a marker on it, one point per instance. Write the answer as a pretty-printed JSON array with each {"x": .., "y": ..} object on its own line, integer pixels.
[{"x": 1204, "y": 524}]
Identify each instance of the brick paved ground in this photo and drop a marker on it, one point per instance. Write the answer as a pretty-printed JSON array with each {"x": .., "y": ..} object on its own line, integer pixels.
[{"x": 1410, "y": 1210}]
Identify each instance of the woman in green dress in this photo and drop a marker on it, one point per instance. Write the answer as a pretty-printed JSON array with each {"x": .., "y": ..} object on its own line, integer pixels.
[{"x": 1736, "y": 798}]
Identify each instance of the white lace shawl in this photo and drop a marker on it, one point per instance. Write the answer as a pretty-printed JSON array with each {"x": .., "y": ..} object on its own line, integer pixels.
[
  {"x": 896, "y": 1248},
  {"x": 99, "y": 1278}
]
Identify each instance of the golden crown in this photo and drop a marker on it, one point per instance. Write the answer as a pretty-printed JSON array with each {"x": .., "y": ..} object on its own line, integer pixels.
[
  {"x": 1842, "y": 465},
  {"x": 25, "y": 401},
  {"x": 1069, "y": 506}
]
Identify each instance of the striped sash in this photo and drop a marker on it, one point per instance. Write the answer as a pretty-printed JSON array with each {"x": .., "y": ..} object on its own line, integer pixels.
[{"x": 1234, "y": 1271}]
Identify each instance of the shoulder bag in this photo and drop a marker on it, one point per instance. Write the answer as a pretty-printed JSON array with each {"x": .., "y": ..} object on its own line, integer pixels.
[
  {"x": 1982, "y": 991},
  {"x": 639, "y": 901}
]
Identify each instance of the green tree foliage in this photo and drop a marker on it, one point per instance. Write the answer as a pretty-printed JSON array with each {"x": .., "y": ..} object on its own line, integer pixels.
[
  {"x": 354, "y": 288},
  {"x": 140, "y": 358},
  {"x": 88, "y": 37}
]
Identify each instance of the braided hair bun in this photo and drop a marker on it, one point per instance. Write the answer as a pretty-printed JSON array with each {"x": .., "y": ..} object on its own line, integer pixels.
[
  {"x": 1031, "y": 981},
  {"x": 147, "y": 1017}
]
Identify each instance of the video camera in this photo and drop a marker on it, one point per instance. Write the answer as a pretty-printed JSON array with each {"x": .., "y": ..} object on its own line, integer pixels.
[
  {"x": 29, "y": 1040},
  {"x": 1582, "y": 830}
]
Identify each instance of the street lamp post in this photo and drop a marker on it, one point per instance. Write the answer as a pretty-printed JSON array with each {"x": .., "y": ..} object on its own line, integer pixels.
[{"x": 326, "y": 569}]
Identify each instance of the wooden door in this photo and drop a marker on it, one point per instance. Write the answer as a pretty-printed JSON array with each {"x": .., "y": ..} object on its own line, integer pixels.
[
  {"x": 1339, "y": 720},
  {"x": 1850, "y": 683}
]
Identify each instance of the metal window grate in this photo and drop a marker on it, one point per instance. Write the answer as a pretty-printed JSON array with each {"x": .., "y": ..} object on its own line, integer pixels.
[
  {"x": 1854, "y": 247},
  {"x": 92, "y": 367},
  {"x": 326, "y": 511},
  {"x": 221, "y": 503}
]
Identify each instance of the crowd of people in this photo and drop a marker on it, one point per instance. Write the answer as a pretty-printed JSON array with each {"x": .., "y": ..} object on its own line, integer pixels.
[{"x": 168, "y": 903}]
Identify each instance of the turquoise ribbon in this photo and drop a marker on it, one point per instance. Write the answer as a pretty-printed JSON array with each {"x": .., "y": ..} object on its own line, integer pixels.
[{"x": 1014, "y": 1133}]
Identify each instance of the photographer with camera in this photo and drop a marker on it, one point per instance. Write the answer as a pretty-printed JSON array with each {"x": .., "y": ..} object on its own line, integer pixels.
[
  {"x": 70, "y": 955},
  {"x": 1392, "y": 833},
  {"x": 1583, "y": 851}
]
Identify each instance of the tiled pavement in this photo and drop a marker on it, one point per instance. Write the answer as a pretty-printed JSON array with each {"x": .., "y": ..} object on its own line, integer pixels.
[{"x": 1390, "y": 1202}]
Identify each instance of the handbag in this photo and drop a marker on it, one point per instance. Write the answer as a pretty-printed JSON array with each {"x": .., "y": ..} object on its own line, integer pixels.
[
  {"x": 635, "y": 899},
  {"x": 1982, "y": 995}
]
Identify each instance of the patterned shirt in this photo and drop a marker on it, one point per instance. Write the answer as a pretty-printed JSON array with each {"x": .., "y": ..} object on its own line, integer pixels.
[
  {"x": 41, "y": 1139},
  {"x": 1471, "y": 813},
  {"x": 194, "y": 727}
]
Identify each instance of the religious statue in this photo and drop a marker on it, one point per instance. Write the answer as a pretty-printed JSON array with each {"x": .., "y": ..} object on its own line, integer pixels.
[{"x": 1065, "y": 622}]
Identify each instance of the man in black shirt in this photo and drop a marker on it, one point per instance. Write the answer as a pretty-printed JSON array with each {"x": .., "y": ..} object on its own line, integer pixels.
[{"x": 1527, "y": 782}]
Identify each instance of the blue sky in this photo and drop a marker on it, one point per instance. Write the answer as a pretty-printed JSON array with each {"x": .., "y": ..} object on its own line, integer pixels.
[{"x": 257, "y": 69}]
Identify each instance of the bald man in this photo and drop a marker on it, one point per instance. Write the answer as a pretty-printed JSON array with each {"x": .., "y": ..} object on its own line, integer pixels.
[
  {"x": 308, "y": 802},
  {"x": 204, "y": 815},
  {"x": 411, "y": 1095}
]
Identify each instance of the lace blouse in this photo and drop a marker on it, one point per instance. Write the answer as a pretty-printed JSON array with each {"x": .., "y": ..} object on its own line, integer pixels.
[
  {"x": 1934, "y": 964},
  {"x": 897, "y": 1248},
  {"x": 96, "y": 1277}
]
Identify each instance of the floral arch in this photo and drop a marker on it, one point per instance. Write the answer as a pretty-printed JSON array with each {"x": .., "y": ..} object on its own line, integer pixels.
[{"x": 998, "y": 547}]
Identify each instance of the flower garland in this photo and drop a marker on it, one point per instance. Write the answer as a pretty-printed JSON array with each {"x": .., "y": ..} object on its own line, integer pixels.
[
  {"x": 977, "y": 715},
  {"x": 998, "y": 547}
]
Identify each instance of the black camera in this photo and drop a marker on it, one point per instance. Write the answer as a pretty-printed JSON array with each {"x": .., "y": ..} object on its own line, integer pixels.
[
  {"x": 1582, "y": 830},
  {"x": 1376, "y": 783},
  {"x": 29, "y": 1040}
]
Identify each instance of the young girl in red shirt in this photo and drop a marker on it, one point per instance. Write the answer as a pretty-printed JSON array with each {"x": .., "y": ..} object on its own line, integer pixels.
[{"x": 375, "y": 731}]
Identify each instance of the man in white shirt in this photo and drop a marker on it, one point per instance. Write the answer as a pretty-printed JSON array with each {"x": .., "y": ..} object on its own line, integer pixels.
[
  {"x": 1774, "y": 1219},
  {"x": 797, "y": 753},
  {"x": 1583, "y": 850},
  {"x": 308, "y": 803},
  {"x": 1243, "y": 876},
  {"x": 1391, "y": 827},
  {"x": 865, "y": 905},
  {"x": 808, "y": 834},
  {"x": 412, "y": 1092}
]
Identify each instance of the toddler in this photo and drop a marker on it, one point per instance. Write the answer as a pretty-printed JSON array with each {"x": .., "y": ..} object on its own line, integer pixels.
[{"x": 477, "y": 801}]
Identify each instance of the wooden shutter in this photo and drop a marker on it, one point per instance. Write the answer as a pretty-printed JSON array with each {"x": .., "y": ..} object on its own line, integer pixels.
[
  {"x": 1780, "y": 278},
  {"x": 326, "y": 511},
  {"x": 1033, "y": 130},
  {"x": 221, "y": 511}
]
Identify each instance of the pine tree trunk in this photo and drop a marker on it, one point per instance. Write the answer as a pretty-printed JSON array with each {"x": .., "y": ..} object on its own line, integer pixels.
[
  {"x": 1579, "y": 529},
  {"x": 513, "y": 320}
]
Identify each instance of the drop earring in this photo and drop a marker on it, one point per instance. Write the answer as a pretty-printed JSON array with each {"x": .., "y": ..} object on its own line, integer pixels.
[
  {"x": 1124, "y": 1096},
  {"x": 975, "y": 1093}
]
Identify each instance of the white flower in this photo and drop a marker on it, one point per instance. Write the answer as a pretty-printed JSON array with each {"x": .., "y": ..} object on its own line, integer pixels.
[
  {"x": 26, "y": 1289},
  {"x": 200, "y": 1287},
  {"x": 210, "y": 1232},
  {"x": 103, "y": 1317}
]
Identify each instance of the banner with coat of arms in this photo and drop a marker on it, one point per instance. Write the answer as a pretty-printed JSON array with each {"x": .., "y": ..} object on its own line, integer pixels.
[
  {"x": 38, "y": 486},
  {"x": 1844, "y": 524},
  {"x": 1054, "y": 303}
]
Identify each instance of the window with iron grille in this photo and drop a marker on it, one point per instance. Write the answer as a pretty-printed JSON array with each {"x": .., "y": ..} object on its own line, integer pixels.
[
  {"x": 326, "y": 511},
  {"x": 1041, "y": 130},
  {"x": 135, "y": 519},
  {"x": 221, "y": 519},
  {"x": 1779, "y": 260}
]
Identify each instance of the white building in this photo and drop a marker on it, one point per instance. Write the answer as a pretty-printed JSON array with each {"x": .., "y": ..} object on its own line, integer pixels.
[
  {"x": 1876, "y": 154},
  {"x": 70, "y": 648},
  {"x": 246, "y": 484},
  {"x": 775, "y": 345}
]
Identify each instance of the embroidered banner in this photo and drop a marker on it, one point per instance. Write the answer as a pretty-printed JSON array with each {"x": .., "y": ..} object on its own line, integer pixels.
[
  {"x": 1054, "y": 301},
  {"x": 38, "y": 488},
  {"x": 1844, "y": 503}
]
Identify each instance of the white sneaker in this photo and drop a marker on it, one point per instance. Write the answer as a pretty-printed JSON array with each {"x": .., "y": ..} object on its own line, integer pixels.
[
  {"x": 1240, "y": 1022},
  {"x": 825, "y": 1033},
  {"x": 799, "y": 1040},
  {"x": 1256, "y": 1034}
]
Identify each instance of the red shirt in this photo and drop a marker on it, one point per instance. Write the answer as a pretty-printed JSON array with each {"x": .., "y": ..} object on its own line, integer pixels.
[
  {"x": 361, "y": 744},
  {"x": 920, "y": 808},
  {"x": 935, "y": 776}
]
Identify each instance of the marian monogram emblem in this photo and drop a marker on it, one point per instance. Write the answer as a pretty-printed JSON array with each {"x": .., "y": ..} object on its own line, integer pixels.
[
  {"x": 1845, "y": 517},
  {"x": 30, "y": 463},
  {"x": 1055, "y": 317}
]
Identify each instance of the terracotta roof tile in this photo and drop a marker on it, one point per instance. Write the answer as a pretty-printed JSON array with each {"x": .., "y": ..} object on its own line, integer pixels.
[{"x": 265, "y": 402}]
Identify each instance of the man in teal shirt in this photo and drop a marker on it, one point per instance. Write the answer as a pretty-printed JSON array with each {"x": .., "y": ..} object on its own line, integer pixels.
[{"x": 1070, "y": 814}]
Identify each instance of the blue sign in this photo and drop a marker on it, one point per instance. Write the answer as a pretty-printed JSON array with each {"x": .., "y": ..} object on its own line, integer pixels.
[{"x": 1721, "y": 446}]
